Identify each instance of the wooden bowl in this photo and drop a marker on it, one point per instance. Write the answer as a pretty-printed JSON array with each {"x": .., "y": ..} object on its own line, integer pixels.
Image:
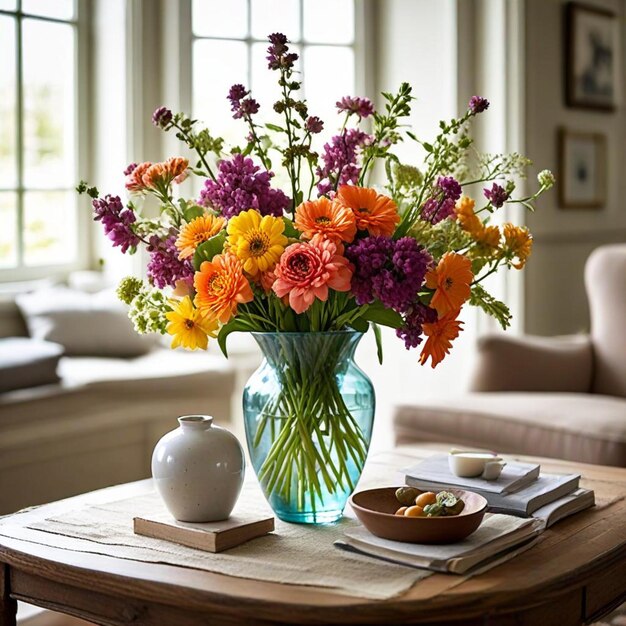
[{"x": 375, "y": 509}]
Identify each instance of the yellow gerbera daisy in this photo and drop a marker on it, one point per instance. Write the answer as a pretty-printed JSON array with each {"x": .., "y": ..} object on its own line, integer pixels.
[
  {"x": 190, "y": 327},
  {"x": 196, "y": 232},
  {"x": 518, "y": 242},
  {"x": 257, "y": 241}
]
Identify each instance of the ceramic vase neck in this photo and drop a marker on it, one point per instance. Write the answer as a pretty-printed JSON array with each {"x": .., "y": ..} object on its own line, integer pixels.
[{"x": 195, "y": 422}]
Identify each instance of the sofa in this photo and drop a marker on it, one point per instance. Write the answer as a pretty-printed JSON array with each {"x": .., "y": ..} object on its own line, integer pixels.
[
  {"x": 562, "y": 397},
  {"x": 96, "y": 422}
]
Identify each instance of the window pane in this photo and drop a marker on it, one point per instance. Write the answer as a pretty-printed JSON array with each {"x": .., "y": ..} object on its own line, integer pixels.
[
  {"x": 216, "y": 66},
  {"x": 50, "y": 232},
  {"x": 276, "y": 16},
  {"x": 8, "y": 5},
  {"x": 220, "y": 18},
  {"x": 324, "y": 88},
  {"x": 8, "y": 163},
  {"x": 329, "y": 21},
  {"x": 48, "y": 104},
  {"x": 8, "y": 229},
  {"x": 61, "y": 9}
]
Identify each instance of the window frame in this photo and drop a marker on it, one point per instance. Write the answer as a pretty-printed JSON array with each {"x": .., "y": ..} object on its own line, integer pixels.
[
  {"x": 364, "y": 62},
  {"x": 22, "y": 272}
]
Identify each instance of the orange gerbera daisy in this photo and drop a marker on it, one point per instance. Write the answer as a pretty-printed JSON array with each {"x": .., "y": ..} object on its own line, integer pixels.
[
  {"x": 440, "y": 335},
  {"x": 374, "y": 212},
  {"x": 469, "y": 221},
  {"x": 221, "y": 286},
  {"x": 329, "y": 219},
  {"x": 518, "y": 242},
  {"x": 196, "y": 232},
  {"x": 451, "y": 280}
]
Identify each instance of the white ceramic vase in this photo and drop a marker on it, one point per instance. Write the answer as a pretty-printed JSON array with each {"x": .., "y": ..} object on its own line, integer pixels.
[{"x": 198, "y": 470}]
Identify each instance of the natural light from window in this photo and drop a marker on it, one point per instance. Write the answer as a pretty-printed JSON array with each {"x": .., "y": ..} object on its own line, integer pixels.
[
  {"x": 37, "y": 133},
  {"x": 229, "y": 42}
]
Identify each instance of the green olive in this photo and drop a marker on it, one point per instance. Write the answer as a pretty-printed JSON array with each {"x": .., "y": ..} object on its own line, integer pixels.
[{"x": 406, "y": 495}]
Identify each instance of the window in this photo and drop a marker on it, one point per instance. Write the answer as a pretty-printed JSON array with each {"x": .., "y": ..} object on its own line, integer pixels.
[
  {"x": 229, "y": 43},
  {"x": 38, "y": 135}
]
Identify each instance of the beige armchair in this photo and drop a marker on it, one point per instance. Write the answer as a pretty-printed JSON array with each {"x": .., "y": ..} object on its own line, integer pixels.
[{"x": 561, "y": 397}]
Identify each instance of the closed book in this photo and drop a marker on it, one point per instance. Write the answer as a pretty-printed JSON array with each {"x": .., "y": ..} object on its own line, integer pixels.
[
  {"x": 515, "y": 476},
  {"x": 574, "y": 502},
  {"x": 524, "y": 502},
  {"x": 499, "y": 538},
  {"x": 208, "y": 536}
]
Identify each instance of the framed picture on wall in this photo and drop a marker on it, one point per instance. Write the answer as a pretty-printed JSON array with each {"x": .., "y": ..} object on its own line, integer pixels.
[
  {"x": 591, "y": 57},
  {"x": 582, "y": 170}
]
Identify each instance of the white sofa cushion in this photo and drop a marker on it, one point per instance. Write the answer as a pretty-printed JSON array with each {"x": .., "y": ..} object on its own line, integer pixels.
[{"x": 84, "y": 324}]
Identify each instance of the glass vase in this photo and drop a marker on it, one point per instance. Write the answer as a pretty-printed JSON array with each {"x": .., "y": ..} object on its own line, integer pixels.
[{"x": 309, "y": 412}]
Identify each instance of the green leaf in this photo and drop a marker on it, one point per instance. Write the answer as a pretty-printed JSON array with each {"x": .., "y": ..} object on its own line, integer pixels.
[
  {"x": 379, "y": 342},
  {"x": 236, "y": 325},
  {"x": 498, "y": 310},
  {"x": 378, "y": 314},
  {"x": 427, "y": 146},
  {"x": 207, "y": 250},
  {"x": 275, "y": 128},
  {"x": 290, "y": 230},
  {"x": 193, "y": 211},
  {"x": 360, "y": 325}
]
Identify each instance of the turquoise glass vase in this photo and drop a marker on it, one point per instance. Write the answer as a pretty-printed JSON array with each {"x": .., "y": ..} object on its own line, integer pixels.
[{"x": 309, "y": 412}]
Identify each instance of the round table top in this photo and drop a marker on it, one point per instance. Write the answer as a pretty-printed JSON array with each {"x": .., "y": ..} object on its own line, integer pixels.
[{"x": 580, "y": 561}]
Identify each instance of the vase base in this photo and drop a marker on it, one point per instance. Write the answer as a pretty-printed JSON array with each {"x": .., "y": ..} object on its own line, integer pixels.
[{"x": 310, "y": 517}]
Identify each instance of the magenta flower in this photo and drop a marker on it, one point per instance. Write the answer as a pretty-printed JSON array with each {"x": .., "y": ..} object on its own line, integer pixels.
[
  {"x": 165, "y": 268},
  {"x": 441, "y": 205},
  {"x": 162, "y": 117},
  {"x": 314, "y": 125},
  {"x": 362, "y": 107},
  {"x": 478, "y": 104},
  {"x": 497, "y": 195},
  {"x": 340, "y": 160},
  {"x": 278, "y": 55},
  {"x": 241, "y": 185},
  {"x": 240, "y": 105},
  {"x": 411, "y": 332},
  {"x": 387, "y": 270},
  {"x": 117, "y": 221}
]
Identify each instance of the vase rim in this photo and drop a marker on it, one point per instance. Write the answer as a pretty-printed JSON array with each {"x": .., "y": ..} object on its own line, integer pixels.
[{"x": 350, "y": 331}]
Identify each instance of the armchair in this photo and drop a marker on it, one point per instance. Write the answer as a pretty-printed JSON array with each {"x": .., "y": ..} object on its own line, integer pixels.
[{"x": 561, "y": 397}]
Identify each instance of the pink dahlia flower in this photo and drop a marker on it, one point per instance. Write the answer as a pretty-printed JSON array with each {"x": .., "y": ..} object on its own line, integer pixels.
[{"x": 307, "y": 270}]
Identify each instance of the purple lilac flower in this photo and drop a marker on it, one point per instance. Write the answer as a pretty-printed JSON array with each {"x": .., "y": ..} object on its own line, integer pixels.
[
  {"x": 450, "y": 187},
  {"x": 363, "y": 107},
  {"x": 130, "y": 168},
  {"x": 240, "y": 105},
  {"x": 314, "y": 125},
  {"x": 418, "y": 315},
  {"x": 441, "y": 205},
  {"x": 164, "y": 267},
  {"x": 497, "y": 195},
  {"x": 240, "y": 186},
  {"x": 116, "y": 221},
  {"x": 278, "y": 55},
  {"x": 477, "y": 104},
  {"x": 162, "y": 117},
  {"x": 387, "y": 270},
  {"x": 340, "y": 160}
]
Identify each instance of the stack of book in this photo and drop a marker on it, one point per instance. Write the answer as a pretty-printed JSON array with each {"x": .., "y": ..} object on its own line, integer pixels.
[{"x": 522, "y": 489}]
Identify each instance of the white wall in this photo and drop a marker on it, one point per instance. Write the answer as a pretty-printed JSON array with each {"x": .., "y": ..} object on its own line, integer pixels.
[{"x": 555, "y": 298}]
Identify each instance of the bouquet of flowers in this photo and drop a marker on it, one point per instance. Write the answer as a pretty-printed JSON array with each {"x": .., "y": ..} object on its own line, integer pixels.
[{"x": 331, "y": 252}]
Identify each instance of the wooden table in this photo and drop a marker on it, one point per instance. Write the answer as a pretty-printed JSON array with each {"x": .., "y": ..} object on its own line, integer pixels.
[{"x": 574, "y": 575}]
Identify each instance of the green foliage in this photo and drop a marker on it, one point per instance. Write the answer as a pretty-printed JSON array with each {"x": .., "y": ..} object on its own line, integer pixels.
[
  {"x": 379, "y": 314},
  {"x": 498, "y": 310},
  {"x": 208, "y": 249}
]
